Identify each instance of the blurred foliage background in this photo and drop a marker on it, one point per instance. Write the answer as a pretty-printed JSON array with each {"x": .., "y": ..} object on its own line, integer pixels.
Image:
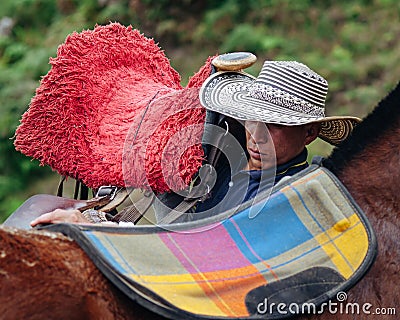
[{"x": 355, "y": 45}]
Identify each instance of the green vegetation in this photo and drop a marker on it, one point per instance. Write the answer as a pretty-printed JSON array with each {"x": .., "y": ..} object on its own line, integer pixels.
[{"x": 354, "y": 44}]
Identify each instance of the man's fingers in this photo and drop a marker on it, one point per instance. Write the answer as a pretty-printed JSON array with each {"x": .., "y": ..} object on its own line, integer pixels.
[
  {"x": 44, "y": 218},
  {"x": 60, "y": 215}
]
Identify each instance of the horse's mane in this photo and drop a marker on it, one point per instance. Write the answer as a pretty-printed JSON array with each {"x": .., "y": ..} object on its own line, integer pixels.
[{"x": 384, "y": 116}]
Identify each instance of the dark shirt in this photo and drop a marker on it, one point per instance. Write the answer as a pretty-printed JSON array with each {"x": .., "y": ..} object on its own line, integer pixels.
[{"x": 229, "y": 192}]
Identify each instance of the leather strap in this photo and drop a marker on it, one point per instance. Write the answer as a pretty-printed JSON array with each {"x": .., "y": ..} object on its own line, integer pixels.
[
  {"x": 178, "y": 211},
  {"x": 134, "y": 212},
  {"x": 94, "y": 203},
  {"x": 119, "y": 197}
]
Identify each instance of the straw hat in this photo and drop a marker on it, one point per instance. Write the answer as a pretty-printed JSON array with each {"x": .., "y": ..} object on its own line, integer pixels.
[{"x": 285, "y": 92}]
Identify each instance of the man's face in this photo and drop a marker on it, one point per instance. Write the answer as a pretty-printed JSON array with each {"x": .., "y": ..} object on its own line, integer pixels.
[{"x": 270, "y": 144}]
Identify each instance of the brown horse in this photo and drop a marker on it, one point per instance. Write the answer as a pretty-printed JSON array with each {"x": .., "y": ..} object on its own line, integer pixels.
[{"x": 47, "y": 276}]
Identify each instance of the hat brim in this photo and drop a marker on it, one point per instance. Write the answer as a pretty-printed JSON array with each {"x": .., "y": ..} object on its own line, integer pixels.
[{"x": 225, "y": 93}]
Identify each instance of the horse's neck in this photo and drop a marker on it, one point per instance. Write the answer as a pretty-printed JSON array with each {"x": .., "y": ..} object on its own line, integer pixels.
[
  {"x": 372, "y": 176},
  {"x": 368, "y": 162}
]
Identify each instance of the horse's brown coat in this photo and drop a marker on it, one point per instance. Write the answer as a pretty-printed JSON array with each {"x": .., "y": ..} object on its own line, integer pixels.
[
  {"x": 373, "y": 178},
  {"x": 47, "y": 276}
]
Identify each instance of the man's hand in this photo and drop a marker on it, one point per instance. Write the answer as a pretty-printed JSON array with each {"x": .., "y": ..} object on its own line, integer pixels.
[{"x": 60, "y": 215}]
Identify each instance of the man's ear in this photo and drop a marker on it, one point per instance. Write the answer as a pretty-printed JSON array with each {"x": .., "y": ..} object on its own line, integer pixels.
[{"x": 312, "y": 131}]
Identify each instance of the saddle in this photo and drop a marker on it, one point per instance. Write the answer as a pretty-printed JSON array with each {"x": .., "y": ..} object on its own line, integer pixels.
[{"x": 297, "y": 248}]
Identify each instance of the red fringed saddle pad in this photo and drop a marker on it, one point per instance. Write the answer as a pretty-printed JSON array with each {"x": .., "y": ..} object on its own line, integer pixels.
[{"x": 111, "y": 110}]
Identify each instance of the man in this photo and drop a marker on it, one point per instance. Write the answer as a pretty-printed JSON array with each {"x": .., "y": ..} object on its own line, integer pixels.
[
  {"x": 283, "y": 110},
  {"x": 274, "y": 151}
]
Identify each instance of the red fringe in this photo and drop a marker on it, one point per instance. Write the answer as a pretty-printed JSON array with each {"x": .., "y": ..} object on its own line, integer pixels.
[{"x": 92, "y": 117}]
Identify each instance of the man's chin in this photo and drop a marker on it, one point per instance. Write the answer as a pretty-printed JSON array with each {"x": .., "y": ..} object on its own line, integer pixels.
[{"x": 261, "y": 164}]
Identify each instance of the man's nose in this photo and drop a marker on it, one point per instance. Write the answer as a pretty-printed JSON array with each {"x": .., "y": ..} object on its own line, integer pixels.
[{"x": 260, "y": 133}]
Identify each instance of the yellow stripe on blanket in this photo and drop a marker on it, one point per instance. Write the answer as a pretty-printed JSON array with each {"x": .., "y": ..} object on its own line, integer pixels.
[
  {"x": 340, "y": 248},
  {"x": 209, "y": 292},
  {"x": 181, "y": 290}
]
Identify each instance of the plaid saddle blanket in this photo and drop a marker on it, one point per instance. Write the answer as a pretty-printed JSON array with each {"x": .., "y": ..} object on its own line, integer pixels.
[{"x": 308, "y": 242}]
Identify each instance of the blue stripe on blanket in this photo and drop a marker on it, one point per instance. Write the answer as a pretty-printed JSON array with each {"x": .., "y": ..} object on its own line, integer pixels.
[{"x": 252, "y": 235}]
